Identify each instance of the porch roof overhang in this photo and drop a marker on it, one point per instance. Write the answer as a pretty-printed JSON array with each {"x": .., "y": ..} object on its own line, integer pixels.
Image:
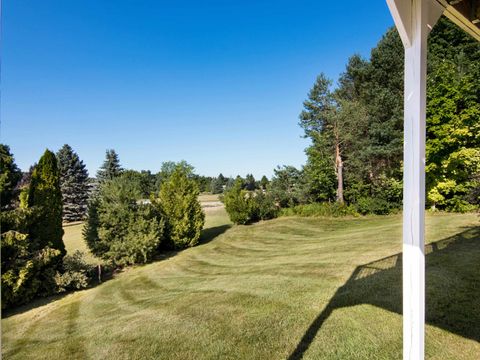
[{"x": 464, "y": 13}]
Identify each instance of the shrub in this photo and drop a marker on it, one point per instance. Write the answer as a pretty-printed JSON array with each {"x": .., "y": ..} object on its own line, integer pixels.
[
  {"x": 75, "y": 274},
  {"x": 26, "y": 274},
  {"x": 266, "y": 205},
  {"x": 119, "y": 228},
  {"x": 178, "y": 202},
  {"x": 371, "y": 205},
  {"x": 240, "y": 205},
  {"x": 245, "y": 207},
  {"x": 320, "y": 209}
]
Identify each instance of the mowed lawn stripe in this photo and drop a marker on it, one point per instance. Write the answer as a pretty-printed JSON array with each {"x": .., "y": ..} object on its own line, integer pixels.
[{"x": 316, "y": 288}]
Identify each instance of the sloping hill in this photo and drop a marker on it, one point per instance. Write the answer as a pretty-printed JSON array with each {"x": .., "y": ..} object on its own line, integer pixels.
[{"x": 286, "y": 288}]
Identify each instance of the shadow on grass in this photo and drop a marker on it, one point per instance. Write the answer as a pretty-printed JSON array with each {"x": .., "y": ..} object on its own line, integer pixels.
[
  {"x": 452, "y": 288},
  {"x": 211, "y": 233}
]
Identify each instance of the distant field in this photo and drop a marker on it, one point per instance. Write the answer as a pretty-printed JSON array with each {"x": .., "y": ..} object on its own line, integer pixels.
[
  {"x": 288, "y": 288},
  {"x": 208, "y": 197},
  {"x": 73, "y": 240}
]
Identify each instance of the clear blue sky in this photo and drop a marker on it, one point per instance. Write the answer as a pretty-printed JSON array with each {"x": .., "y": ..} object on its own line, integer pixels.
[{"x": 217, "y": 83}]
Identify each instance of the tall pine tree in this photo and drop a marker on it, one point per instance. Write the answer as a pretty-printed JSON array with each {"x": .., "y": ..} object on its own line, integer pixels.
[
  {"x": 73, "y": 184},
  {"x": 111, "y": 167}
]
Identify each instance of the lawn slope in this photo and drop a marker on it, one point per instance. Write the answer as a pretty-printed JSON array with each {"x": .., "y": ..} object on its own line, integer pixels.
[{"x": 287, "y": 288}]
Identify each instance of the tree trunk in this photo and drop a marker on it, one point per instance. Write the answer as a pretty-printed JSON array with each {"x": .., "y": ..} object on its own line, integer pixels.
[{"x": 339, "y": 166}]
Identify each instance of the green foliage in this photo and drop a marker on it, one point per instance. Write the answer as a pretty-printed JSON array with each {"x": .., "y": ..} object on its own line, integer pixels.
[
  {"x": 178, "y": 201},
  {"x": 264, "y": 182},
  {"x": 245, "y": 207},
  {"x": 265, "y": 204},
  {"x": 239, "y": 204},
  {"x": 289, "y": 187},
  {"x": 45, "y": 194},
  {"x": 144, "y": 181},
  {"x": 26, "y": 274},
  {"x": 10, "y": 175},
  {"x": 372, "y": 205},
  {"x": 319, "y": 174},
  {"x": 216, "y": 185},
  {"x": 453, "y": 113},
  {"x": 31, "y": 239},
  {"x": 250, "y": 183},
  {"x": 120, "y": 228},
  {"x": 358, "y": 127},
  {"x": 110, "y": 168},
  {"x": 75, "y": 274},
  {"x": 327, "y": 209},
  {"x": 73, "y": 184}
]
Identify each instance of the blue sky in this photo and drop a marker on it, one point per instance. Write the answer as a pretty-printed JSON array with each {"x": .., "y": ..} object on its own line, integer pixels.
[{"x": 217, "y": 83}]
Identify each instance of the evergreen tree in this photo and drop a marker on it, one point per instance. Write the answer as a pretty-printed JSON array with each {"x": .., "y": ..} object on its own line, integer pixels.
[
  {"x": 250, "y": 183},
  {"x": 119, "y": 228},
  {"x": 216, "y": 186},
  {"x": 111, "y": 167},
  {"x": 288, "y": 186},
  {"x": 73, "y": 184},
  {"x": 221, "y": 179},
  {"x": 45, "y": 194},
  {"x": 264, "y": 182},
  {"x": 178, "y": 201},
  {"x": 10, "y": 175}
]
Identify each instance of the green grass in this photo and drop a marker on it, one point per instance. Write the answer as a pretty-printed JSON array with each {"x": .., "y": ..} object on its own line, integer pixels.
[
  {"x": 73, "y": 240},
  {"x": 315, "y": 288}
]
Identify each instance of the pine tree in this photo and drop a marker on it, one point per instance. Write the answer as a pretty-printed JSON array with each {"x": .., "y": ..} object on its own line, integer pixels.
[
  {"x": 111, "y": 167},
  {"x": 73, "y": 184},
  {"x": 45, "y": 195}
]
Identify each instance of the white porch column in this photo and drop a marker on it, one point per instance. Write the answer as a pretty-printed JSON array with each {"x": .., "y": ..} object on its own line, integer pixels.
[{"x": 414, "y": 20}]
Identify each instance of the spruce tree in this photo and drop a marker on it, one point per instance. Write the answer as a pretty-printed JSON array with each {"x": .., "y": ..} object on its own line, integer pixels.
[
  {"x": 45, "y": 195},
  {"x": 216, "y": 186},
  {"x": 73, "y": 184},
  {"x": 111, "y": 167}
]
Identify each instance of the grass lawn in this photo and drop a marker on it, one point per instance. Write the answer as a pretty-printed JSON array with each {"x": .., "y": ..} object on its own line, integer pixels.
[
  {"x": 73, "y": 240},
  {"x": 288, "y": 288}
]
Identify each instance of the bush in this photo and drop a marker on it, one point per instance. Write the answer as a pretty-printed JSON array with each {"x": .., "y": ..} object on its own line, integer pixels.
[
  {"x": 265, "y": 205},
  {"x": 26, "y": 274},
  {"x": 320, "y": 209},
  {"x": 239, "y": 204},
  {"x": 178, "y": 202},
  {"x": 245, "y": 207},
  {"x": 119, "y": 228},
  {"x": 76, "y": 273},
  {"x": 370, "y": 205}
]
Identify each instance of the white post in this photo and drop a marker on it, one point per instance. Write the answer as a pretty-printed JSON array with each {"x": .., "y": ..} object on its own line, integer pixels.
[{"x": 414, "y": 20}]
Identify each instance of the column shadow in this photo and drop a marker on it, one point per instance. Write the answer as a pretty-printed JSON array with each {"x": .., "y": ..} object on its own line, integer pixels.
[{"x": 452, "y": 288}]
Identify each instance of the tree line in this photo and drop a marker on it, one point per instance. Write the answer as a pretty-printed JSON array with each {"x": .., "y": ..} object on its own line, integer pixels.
[
  {"x": 355, "y": 157},
  {"x": 356, "y": 128}
]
